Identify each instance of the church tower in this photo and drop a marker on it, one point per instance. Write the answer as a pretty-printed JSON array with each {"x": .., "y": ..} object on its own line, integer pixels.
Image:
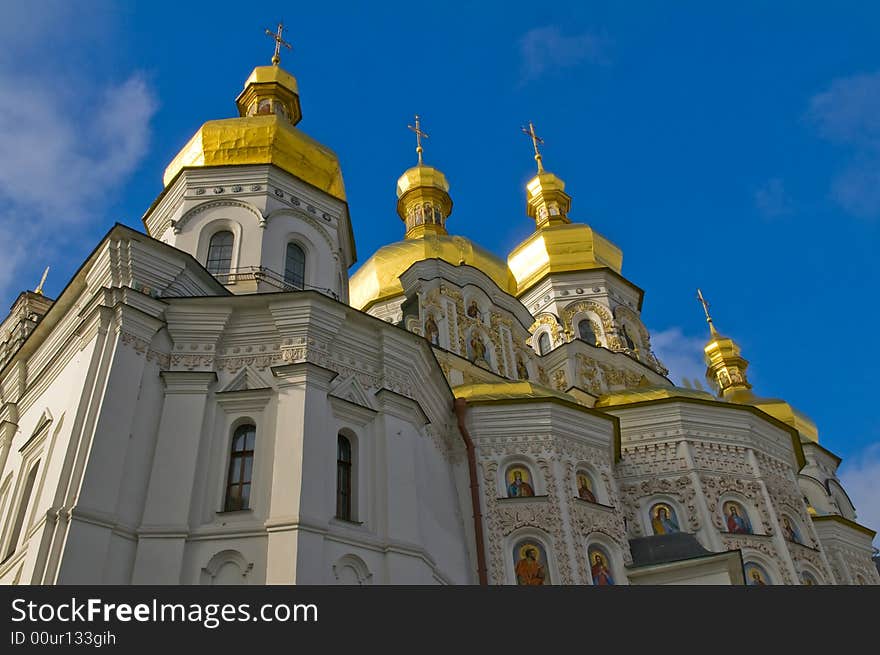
[
  {"x": 256, "y": 201},
  {"x": 569, "y": 277}
]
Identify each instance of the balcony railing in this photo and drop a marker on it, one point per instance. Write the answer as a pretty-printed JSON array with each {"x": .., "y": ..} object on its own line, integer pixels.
[{"x": 262, "y": 274}]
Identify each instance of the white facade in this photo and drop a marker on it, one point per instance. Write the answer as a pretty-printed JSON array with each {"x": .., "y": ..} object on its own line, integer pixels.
[{"x": 122, "y": 400}]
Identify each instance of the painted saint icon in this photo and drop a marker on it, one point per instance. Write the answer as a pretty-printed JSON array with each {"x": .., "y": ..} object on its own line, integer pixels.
[
  {"x": 432, "y": 332},
  {"x": 808, "y": 579},
  {"x": 663, "y": 519},
  {"x": 477, "y": 349},
  {"x": 600, "y": 571},
  {"x": 736, "y": 518},
  {"x": 530, "y": 563},
  {"x": 585, "y": 487},
  {"x": 790, "y": 531},
  {"x": 519, "y": 482},
  {"x": 756, "y": 576}
]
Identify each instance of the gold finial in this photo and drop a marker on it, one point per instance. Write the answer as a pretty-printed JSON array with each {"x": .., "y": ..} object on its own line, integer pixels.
[
  {"x": 708, "y": 316},
  {"x": 536, "y": 140},
  {"x": 276, "y": 58},
  {"x": 39, "y": 289},
  {"x": 419, "y": 134}
]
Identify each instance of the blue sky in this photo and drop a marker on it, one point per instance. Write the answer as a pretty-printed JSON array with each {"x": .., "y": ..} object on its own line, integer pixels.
[{"x": 736, "y": 149}]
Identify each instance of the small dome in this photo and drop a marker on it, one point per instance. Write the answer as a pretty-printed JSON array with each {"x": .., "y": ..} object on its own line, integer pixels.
[
  {"x": 379, "y": 277},
  {"x": 421, "y": 176},
  {"x": 268, "y": 139}
]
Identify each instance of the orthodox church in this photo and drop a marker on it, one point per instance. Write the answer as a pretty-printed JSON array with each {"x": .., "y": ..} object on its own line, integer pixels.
[{"x": 213, "y": 400}]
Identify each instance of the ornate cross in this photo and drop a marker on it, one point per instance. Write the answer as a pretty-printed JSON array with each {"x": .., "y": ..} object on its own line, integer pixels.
[
  {"x": 276, "y": 58},
  {"x": 706, "y": 309},
  {"x": 536, "y": 141},
  {"x": 419, "y": 134}
]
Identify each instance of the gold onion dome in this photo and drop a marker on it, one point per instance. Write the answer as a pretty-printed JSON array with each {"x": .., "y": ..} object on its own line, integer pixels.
[
  {"x": 726, "y": 370},
  {"x": 423, "y": 204},
  {"x": 264, "y": 133},
  {"x": 557, "y": 245}
]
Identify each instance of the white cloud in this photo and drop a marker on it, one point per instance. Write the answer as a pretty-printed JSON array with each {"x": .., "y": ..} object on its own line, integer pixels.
[
  {"x": 681, "y": 354},
  {"x": 772, "y": 200},
  {"x": 861, "y": 479},
  {"x": 69, "y": 141},
  {"x": 848, "y": 113},
  {"x": 545, "y": 48}
]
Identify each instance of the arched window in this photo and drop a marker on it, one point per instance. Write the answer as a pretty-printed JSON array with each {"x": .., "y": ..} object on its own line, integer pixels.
[
  {"x": 343, "y": 478},
  {"x": 295, "y": 266},
  {"x": 22, "y": 511},
  {"x": 544, "y": 344},
  {"x": 585, "y": 331},
  {"x": 220, "y": 253},
  {"x": 241, "y": 468}
]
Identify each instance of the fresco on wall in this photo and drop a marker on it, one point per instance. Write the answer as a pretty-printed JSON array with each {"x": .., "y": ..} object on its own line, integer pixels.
[
  {"x": 790, "y": 532},
  {"x": 600, "y": 569},
  {"x": 519, "y": 482},
  {"x": 756, "y": 576},
  {"x": 663, "y": 519},
  {"x": 585, "y": 486},
  {"x": 432, "y": 332},
  {"x": 736, "y": 518},
  {"x": 808, "y": 579},
  {"x": 530, "y": 563}
]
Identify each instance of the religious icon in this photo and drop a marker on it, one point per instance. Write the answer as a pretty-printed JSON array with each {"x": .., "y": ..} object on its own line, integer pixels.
[
  {"x": 736, "y": 518},
  {"x": 473, "y": 310},
  {"x": 808, "y": 579},
  {"x": 521, "y": 369},
  {"x": 264, "y": 106},
  {"x": 585, "y": 487},
  {"x": 599, "y": 569},
  {"x": 478, "y": 349},
  {"x": 663, "y": 519},
  {"x": 518, "y": 482},
  {"x": 791, "y": 533},
  {"x": 432, "y": 333},
  {"x": 755, "y": 575},
  {"x": 529, "y": 562}
]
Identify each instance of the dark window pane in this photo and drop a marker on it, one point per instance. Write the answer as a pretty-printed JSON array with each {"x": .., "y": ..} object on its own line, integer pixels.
[
  {"x": 220, "y": 253},
  {"x": 235, "y": 470},
  {"x": 251, "y": 438},
  {"x": 248, "y": 467},
  {"x": 245, "y": 496},
  {"x": 295, "y": 266}
]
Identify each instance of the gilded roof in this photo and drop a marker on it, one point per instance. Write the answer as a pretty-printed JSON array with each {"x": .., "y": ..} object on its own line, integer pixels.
[
  {"x": 379, "y": 277},
  {"x": 561, "y": 248},
  {"x": 641, "y": 394},
  {"x": 265, "y": 139}
]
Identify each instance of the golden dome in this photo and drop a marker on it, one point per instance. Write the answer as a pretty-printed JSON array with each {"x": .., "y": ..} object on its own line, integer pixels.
[
  {"x": 559, "y": 249},
  {"x": 379, "y": 277},
  {"x": 264, "y": 133},
  {"x": 726, "y": 368},
  {"x": 557, "y": 245},
  {"x": 423, "y": 201},
  {"x": 421, "y": 176}
]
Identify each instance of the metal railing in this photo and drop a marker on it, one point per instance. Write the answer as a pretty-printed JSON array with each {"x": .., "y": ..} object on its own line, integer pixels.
[{"x": 267, "y": 275}]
